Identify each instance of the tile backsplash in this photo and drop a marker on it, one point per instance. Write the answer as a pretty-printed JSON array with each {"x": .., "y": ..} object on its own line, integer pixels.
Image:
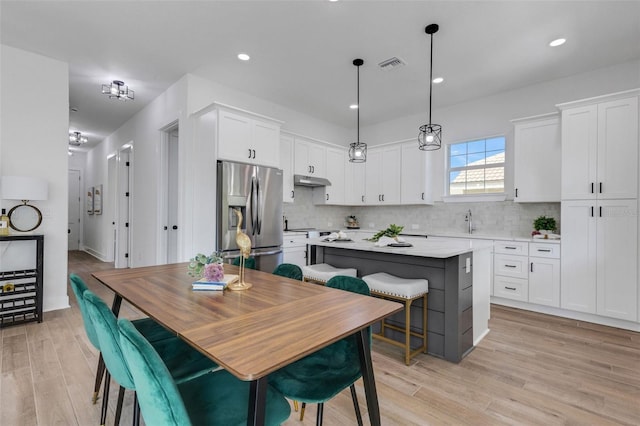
[{"x": 500, "y": 219}]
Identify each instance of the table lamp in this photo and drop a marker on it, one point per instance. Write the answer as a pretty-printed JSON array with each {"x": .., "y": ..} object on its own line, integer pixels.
[{"x": 24, "y": 217}]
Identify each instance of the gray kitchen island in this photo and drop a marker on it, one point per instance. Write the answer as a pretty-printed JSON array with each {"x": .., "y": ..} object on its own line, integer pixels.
[{"x": 459, "y": 275}]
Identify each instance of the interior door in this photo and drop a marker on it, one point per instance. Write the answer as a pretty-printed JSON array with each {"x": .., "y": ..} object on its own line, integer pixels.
[
  {"x": 123, "y": 225},
  {"x": 73, "y": 232},
  {"x": 172, "y": 197}
]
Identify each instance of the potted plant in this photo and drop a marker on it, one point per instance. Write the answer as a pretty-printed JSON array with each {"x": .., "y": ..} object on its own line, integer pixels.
[
  {"x": 209, "y": 266},
  {"x": 352, "y": 222},
  {"x": 544, "y": 225}
]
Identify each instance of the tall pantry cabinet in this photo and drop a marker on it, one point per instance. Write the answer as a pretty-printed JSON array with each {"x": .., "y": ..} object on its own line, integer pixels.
[{"x": 599, "y": 209}]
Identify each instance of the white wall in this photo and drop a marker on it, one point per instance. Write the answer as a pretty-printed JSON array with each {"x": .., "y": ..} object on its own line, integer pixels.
[{"x": 34, "y": 134}]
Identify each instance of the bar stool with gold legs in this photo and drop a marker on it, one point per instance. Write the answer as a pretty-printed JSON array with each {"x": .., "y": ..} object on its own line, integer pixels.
[
  {"x": 407, "y": 291},
  {"x": 323, "y": 272}
]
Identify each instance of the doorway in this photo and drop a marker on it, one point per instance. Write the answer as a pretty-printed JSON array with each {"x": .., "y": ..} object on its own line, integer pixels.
[
  {"x": 73, "y": 226},
  {"x": 169, "y": 197}
]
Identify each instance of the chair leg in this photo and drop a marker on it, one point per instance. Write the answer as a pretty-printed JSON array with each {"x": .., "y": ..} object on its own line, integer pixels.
[
  {"x": 119, "y": 406},
  {"x": 105, "y": 398},
  {"x": 356, "y": 406},
  {"x": 407, "y": 332},
  {"x": 295, "y": 405},
  {"x": 304, "y": 405},
  {"x": 99, "y": 375},
  {"x": 319, "y": 415},
  {"x": 136, "y": 410}
]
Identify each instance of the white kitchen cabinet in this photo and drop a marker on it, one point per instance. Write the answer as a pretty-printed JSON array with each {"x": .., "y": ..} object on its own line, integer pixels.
[
  {"x": 415, "y": 187},
  {"x": 310, "y": 157},
  {"x": 600, "y": 148},
  {"x": 249, "y": 139},
  {"x": 537, "y": 158},
  {"x": 355, "y": 184},
  {"x": 383, "y": 175},
  {"x": 544, "y": 274},
  {"x": 335, "y": 167},
  {"x": 294, "y": 248},
  {"x": 510, "y": 270},
  {"x": 286, "y": 164},
  {"x": 599, "y": 272}
]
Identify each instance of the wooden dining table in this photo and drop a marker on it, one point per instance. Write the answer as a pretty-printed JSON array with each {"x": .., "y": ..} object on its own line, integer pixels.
[{"x": 254, "y": 332}]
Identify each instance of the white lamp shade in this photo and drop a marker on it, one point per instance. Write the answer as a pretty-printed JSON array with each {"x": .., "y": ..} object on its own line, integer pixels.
[{"x": 23, "y": 188}]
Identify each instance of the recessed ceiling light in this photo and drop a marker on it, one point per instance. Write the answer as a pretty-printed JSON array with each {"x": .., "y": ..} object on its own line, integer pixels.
[
  {"x": 243, "y": 56},
  {"x": 353, "y": 106},
  {"x": 333, "y": 1},
  {"x": 558, "y": 42},
  {"x": 438, "y": 80}
]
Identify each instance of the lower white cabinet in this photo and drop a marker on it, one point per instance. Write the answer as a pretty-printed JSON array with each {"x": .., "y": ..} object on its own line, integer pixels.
[
  {"x": 294, "y": 248},
  {"x": 527, "y": 272}
]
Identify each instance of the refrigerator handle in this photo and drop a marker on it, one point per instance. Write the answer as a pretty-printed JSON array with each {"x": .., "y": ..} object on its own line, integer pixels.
[
  {"x": 258, "y": 209},
  {"x": 252, "y": 201}
]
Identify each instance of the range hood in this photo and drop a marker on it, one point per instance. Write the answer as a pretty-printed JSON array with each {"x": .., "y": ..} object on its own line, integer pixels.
[{"x": 311, "y": 181}]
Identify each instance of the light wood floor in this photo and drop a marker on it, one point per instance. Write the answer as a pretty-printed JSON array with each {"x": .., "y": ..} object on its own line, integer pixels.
[{"x": 531, "y": 369}]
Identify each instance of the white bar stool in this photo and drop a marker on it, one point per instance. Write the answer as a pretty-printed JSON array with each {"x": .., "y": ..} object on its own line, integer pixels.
[
  {"x": 323, "y": 272},
  {"x": 403, "y": 290}
]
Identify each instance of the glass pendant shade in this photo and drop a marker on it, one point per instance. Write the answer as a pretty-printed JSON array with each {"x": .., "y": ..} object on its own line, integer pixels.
[
  {"x": 358, "y": 152},
  {"x": 430, "y": 137}
]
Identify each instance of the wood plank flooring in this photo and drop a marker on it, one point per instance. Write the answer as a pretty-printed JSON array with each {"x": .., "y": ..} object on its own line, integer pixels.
[{"x": 531, "y": 369}]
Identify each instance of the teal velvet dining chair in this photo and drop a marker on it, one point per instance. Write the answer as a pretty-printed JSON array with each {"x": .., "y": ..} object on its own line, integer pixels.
[
  {"x": 248, "y": 263},
  {"x": 288, "y": 270},
  {"x": 148, "y": 327},
  {"x": 320, "y": 376},
  {"x": 217, "y": 398},
  {"x": 184, "y": 362}
]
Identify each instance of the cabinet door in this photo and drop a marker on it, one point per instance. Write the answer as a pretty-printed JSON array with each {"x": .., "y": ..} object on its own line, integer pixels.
[
  {"x": 391, "y": 173},
  {"x": 234, "y": 137},
  {"x": 286, "y": 164},
  {"x": 265, "y": 143},
  {"x": 617, "y": 175},
  {"x": 415, "y": 187},
  {"x": 544, "y": 281},
  {"x": 617, "y": 266},
  {"x": 336, "y": 159},
  {"x": 355, "y": 180},
  {"x": 578, "y": 256},
  {"x": 296, "y": 255},
  {"x": 317, "y": 160},
  {"x": 373, "y": 173},
  {"x": 579, "y": 152},
  {"x": 301, "y": 157},
  {"x": 537, "y": 161}
]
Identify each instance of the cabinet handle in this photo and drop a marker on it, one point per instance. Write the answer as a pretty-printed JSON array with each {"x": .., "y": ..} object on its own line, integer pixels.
[
  {"x": 292, "y": 194},
  {"x": 600, "y": 189},
  {"x": 591, "y": 211},
  {"x": 592, "y": 187},
  {"x": 509, "y": 266},
  {"x": 249, "y": 153},
  {"x": 545, "y": 250},
  {"x": 379, "y": 197},
  {"x": 327, "y": 197},
  {"x": 382, "y": 197},
  {"x": 313, "y": 169},
  {"x": 600, "y": 212},
  {"x": 510, "y": 248},
  {"x": 516, "y": 192},
  {"x": 363, "y": 198},
  {"x": 254, "y": 153},
  {"x": 309, "y": 169},
  {"x": 423, "y": 195},
  {"x": 531, "y": 267},
  {"x": 510, "y": 288}
]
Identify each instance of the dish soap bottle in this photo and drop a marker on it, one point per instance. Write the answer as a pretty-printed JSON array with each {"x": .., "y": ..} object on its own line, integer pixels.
[{"x": 4, "y": 223}]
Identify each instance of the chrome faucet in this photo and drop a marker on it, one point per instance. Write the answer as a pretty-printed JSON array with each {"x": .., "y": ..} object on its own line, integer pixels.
[{"x": 469, "y": 219}]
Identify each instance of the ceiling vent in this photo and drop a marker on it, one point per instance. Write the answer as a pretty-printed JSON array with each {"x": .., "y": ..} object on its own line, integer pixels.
[{"x": 391, "y": 63}]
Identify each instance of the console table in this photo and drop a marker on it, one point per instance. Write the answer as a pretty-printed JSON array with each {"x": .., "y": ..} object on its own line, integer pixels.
[{"x": 21, "y": 289}]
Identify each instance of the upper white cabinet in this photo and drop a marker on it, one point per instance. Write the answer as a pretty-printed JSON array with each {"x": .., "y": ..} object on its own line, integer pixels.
[
  {"x": 415, "y": 187},
  {"x": 310, "y": 158},
  {"x": 537, "y": 159},
  {"x": 286, "y": 164},
  {"x": 600, "y": 148},
  {"x": 248, "y": 138},
  {"x": 355, "y": 180},
  {"x": 335, "y": 173},
  {"x": 383, "y": 175}
]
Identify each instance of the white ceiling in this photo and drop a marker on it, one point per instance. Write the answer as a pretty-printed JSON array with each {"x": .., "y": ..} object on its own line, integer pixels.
[{"x": 302, "y": 51}]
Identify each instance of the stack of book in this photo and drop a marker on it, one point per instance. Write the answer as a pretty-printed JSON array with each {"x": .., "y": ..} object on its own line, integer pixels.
[{"x": 203, "y": 285}]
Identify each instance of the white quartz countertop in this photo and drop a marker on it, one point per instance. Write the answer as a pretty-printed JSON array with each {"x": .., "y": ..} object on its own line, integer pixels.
[
  {"x": 364, "y": 233},
  {"x": 424, "y": 247}
]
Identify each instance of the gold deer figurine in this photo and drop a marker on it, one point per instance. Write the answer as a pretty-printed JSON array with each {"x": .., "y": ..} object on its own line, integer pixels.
[{"x": 244, "y": 244}]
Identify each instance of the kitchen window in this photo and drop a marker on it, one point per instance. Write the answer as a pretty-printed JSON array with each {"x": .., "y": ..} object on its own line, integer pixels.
[{"x": 476, "y": 167}]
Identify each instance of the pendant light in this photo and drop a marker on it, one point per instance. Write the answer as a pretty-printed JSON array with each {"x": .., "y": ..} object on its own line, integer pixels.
[
  {"x": 358, "y": 150},
  {"x": 430, "y": 137}
]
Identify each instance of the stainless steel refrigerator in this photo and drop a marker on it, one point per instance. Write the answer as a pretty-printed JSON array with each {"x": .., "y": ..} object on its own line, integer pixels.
[{"x": 257, "y": 192}]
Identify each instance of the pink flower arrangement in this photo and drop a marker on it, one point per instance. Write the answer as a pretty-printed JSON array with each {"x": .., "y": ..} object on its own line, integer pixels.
[{"x": 213, "y": 272}]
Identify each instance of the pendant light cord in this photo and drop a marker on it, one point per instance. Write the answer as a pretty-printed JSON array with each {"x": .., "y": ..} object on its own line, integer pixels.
[
  {"x": 430, "y": 77},
  {"x": 358, "y": 102}
]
